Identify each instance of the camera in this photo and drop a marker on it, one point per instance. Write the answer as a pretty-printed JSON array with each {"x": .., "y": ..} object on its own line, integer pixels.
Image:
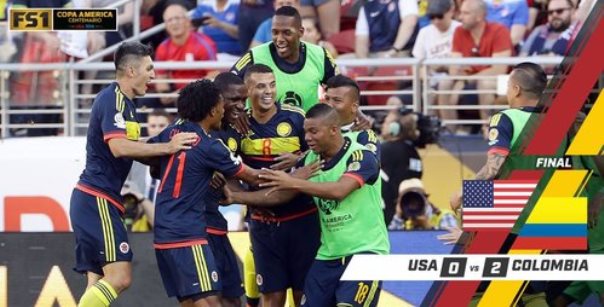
[
  {"x": 201, "y": 21},
  {"x": 413, "y": 204},
  {"x": 429, "y": 127}
]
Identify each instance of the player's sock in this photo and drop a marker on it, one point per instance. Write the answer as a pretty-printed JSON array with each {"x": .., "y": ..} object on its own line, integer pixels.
[
  {"x": 252, "y": 302},
  {"x": 101, "y": 294}
]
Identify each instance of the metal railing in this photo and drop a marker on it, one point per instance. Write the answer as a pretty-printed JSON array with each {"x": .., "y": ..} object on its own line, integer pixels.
[{"x": 74, "y": 110}]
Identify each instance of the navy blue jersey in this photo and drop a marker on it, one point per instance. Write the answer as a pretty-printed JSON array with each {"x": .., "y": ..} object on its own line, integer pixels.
[
  {"x": 216, "y": 223},
  {"x": 113, "y": 115},
  {"x": 185, "y": 176},
  {"x": 366, "y": 137},
  {"x": 283, "y": 133}
]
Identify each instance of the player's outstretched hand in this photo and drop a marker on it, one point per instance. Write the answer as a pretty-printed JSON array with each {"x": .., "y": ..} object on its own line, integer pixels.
[
  {"x": 228, "y": 196},
  {"x": 182, "y": 141},
  {"x": 242, "y": 124},
  {"x": 218, "y": 181},
  {"x": 285, "y": 161},
  {"x": 276, "y": 180},
  {"x": 362, "y": 122},
  {"x": 308, "y": 171},
  {"x": 452, "y": 237}
]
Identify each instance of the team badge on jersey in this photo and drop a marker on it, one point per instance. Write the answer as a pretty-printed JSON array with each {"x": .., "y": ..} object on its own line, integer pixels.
[
  {"x": 120, "y": 122},
  {"x": 327, "y": 205},
  {"x": 124, "y": 247},
  {"x": 493, "y": 135},
  {"x": 259, "y": 280},
  {"x": 215, "y": 276},
  {"x": 232, "y": 144},
  {"x": 284, "y": 129},
  {"x": 354, "y": 166}
]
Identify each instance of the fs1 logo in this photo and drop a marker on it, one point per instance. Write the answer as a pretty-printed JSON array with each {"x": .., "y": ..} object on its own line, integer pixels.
[{"x": 31, "y": 19}]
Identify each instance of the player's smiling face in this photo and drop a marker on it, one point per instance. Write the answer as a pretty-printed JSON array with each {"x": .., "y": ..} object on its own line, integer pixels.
[
  {"x": 342, "y": 100},
  {"x": 234, "y": 102},
  {"x": 262, "y": 91},
  {"x": 142, "y": 74},
  {"x": 286, "y": 36}
]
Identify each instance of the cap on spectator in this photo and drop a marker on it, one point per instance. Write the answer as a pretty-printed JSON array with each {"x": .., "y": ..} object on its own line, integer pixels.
[
  {"x": 438, "y": 7},
  {"x": 409, "y": 184}
]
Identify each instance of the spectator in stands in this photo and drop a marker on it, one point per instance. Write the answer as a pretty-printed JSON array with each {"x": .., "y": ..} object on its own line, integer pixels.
[
  {"x": 552, "y": 38},
  {"x": 386, "y": 28},
  {"x": 251, "y": 14},
  {"x": 37, "y": 89},
  {"x": 415, "y": 212},
  {"x": 326, "y": 11},
  {"x": 399, "y": 157},
  {"x": 436, "y": 39},
  {"x": 514, "y": 14},
  {"x": 139, "y": 184},
  {"x": 219, "y": 21},
  {"x": 475, "y": 38},
  {"x": 184, "y": 45},
  {"x": 264, "y": 32},
  {"x": 313, "y": 35},
  {"x": 152, "y": 14}
]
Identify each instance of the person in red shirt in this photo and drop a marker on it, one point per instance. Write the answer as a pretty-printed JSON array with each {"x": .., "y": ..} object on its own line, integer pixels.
[
  {"x": 476, "y": 38},
  {"x": 182, "y": 44}
]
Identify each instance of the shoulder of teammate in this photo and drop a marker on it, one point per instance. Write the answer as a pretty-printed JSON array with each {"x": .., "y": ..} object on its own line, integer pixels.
[
  {"x": 362, "y": 166},
  {"x": 293, "y": 111},
  {"x": 218, "y": 156},
  {"x": 501, "y": 132},
  {"x": 330, "y": 67},
  {"x": 240, "y": 67},
  {"x": 370, "y": 140},
  {"x": 108, "y": 108}
]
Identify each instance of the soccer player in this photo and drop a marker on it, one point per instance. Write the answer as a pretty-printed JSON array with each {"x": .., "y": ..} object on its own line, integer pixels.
[
  {"x": 291, "y": 60},
  {"x": 102, "y": 249},
  {"x": 276, "y": 139},
  {"x": 186, "y": 262},
  {"x": 234, "y": 92},
  {"x": 343, "y": 94},
  {"x": 348, "y": 195}
]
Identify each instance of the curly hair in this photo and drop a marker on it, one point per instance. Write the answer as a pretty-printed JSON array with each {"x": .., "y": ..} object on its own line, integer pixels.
[{"x": 197, "y": 99}]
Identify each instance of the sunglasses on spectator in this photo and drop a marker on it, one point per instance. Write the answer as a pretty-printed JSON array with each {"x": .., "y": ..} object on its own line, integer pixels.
[
  {"x": 557, "y": 11},
  {"x": 435, "y": 16}
]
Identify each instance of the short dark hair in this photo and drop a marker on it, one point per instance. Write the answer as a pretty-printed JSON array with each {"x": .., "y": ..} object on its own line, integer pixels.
[
  {"x": 226, "y": 79},
  {"x": 257, "y": 69},
  {"x": 343, "y": 81},
  {"x": 160, "y": 112},
  {"x": 290, "y": 11},
  {"x": 325, "y": 112},
  {"x": 197, "y": 99},
  {"x": 531, "y": 78},
  {"x": 128, "y": 52}
]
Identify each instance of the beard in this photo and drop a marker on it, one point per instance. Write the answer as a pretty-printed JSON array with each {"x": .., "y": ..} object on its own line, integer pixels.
[{"x": 559, "y": 25}]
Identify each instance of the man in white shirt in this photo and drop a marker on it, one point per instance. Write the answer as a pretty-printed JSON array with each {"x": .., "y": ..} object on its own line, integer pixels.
[{"x": 436, "y": 39}]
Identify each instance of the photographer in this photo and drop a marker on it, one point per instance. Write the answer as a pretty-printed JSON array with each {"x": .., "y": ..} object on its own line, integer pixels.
[
  {"x": 139, "y": 211},
  {"x": 415, "y": 212},
  {"x": 399, "y": 156}
]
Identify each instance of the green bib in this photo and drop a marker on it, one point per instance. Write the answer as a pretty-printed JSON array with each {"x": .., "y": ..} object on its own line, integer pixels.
[
  {"x": 302, "y": 88},
  {"x": 355, "y": 224}
]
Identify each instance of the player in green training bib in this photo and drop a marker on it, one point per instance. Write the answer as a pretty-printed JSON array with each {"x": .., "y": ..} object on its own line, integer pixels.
[
  {"x": 300, "y": 68},
  {"x": 346, "y": 191}
]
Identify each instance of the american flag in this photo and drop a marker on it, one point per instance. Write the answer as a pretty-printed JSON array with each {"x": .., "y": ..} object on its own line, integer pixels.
[{"x": 494, "y": 204}]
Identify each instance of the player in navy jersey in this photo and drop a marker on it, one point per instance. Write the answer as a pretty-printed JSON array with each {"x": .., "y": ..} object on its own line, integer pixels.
[
  {"x": 234, "y": 93},
  {"x": 186, "y": 263},
  {"x": 102, "y": 249},
  {"x": 276, "y": 140}
]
